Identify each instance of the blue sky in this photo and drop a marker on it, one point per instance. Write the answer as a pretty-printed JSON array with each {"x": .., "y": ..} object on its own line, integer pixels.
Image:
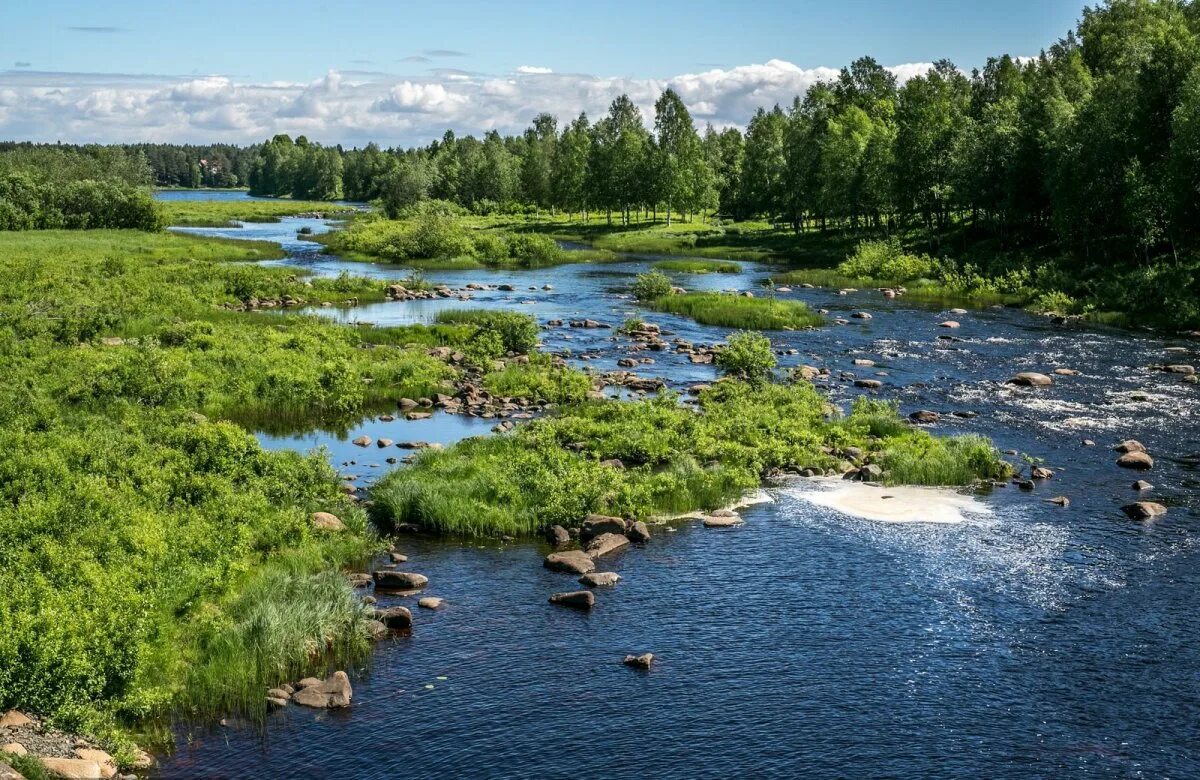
[{"x": 443, "y": 56}]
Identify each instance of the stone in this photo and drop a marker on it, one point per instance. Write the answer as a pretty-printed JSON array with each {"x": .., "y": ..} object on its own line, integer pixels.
[
  {"x": 1041, "y": 472},
  {"x": 638, "y": 532},
  {"x": 600, "y": 579},
  {"x": 332, "y": 693},
  {"x": 606, "y": 543},
  {"x": 1143, "y": 510},
  {"x": 642, "y": 661},
  {"x": 924, "y": 417},
  {"x": 398, "y": 557},
  {"x": 430, "y": 602},
  {"x": 363, "y": 441},
  {"x": 418, "y": 415},
  {"x": 382, "y": 443},
  {"x": 74, "y": 768},
  {"x": 861, "y": 315},
  {"x": 8, "y": 773},
  {"x": 580, "y": 599},
  {"x": 1066, "y": 372},
  {"x": 722, "y": 518},
  {"x": 949, "y": 324},
  {"x": 14, "y": 749},
  {"x": 15, "y": 719},
  {"x": 870, "y": 384},
  {"x": 1136, "y": 460},
  {"x": 1031, "y": 379},
  {"x": 400, "y": 580},
  {"x": 277, "y": 693},
  {"x": 359, "y": 579},
  {"x": 1180, "y": 369},
  {"x": 324, "y": 521},
  {"x": 1059, "y": 501},
  {"x": 570, "y": 562},
  {"x": 375, "y": 629},
  {"x": 1130, "y": 445},
  {"x": 308, "y": 682},
  {"x": 395, "y": 618},
  {"x": 594, "y": 525},
  {"x": 558, "y": 536},
  {"x": 1142, "y": 484},
  {"x": 613, "y": 463}
]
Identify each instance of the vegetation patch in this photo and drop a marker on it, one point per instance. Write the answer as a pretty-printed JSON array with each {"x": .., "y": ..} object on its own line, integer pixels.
[
  {"x": 694, "y": 266},
  {"x": 729, "y": 310},
  {"x": 227, "y": 213}
]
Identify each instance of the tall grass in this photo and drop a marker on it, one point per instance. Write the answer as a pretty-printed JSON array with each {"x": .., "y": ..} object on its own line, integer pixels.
[
  {"x": 735, "y": 311},
  {"x": 225, "y": 213},
  {"x": 693, "y": 266}
]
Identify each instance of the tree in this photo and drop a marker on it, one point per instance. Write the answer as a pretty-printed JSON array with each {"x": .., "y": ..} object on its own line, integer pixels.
[
  {"x": 678, "y": 159},
  {"x": 764, "y": 165},
  {"x": 570, "y": 168},
  {"x": 537, "y": 161}
]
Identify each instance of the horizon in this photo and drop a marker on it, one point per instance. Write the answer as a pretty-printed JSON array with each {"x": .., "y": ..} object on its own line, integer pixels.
[{"x": 419, "y": 72}]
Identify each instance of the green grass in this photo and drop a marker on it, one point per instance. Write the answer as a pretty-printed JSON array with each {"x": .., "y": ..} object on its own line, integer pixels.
[
  {"x": 538, "y": 380},
  {"x": 735, "y": 311},
  {"x": 225, "y": 213},
  {"x": 548, "y": 471},
  {"x": 692, "y": 266}
]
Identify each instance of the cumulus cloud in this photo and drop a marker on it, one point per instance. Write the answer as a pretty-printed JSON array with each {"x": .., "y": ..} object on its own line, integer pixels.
[{"x": 355, "y": 107}]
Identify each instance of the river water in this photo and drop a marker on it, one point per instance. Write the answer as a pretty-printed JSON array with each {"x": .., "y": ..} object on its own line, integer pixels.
[{"x": 1029, "y": 640}]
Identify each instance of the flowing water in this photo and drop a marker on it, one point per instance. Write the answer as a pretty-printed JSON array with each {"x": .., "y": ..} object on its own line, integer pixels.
[{"x": 1029, "y": 640}]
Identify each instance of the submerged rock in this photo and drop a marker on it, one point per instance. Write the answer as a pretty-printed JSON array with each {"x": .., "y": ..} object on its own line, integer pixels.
[
  {"x": 570, "y": 561},
  {"x": 722, "y": 518},
  {"x": 1031, "y": 379},
  {"x": 580, "y": 599},
  {"x": 600, "y": 579},
  {"x": 332, "y": 693},
  {"x": 606, "y": 543},
  {"x": 1142, "y": 484},
  {"x": 430, "y": 602},
  {"x": 363, "y": 441},
  {"x": 642, "y": 661}
]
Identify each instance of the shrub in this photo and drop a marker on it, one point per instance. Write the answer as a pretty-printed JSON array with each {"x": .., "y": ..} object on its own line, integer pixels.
[
  {"x": 651, "y": 286},
  {"x": 885, "y": 260},
  {"x": 518, "y": 332},
  {"x": 736, "y": 311},
  {"x": 749, "y": 356}
]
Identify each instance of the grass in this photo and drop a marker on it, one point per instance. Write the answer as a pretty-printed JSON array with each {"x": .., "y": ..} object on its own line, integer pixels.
[
  {"x": 676, "y": 459},
  {"x": 693, "y": 266},
  {"x": 735, "y": 311},
  {"x": 538, "y": 380},
  {"x": 227, "y": 213}
]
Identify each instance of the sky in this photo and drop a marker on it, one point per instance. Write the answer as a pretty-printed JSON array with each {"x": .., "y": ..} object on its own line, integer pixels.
[{"x": 398, "y": 72}]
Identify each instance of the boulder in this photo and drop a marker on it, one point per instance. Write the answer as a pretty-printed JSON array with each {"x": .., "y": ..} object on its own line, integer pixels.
[
  {"x": 398, "y": 557},
  {"x": 722, "y": 518},
  {"x": 642, "y": 661},
  {"x": 273, "y": 693},
  {"x": 1143, "y": 510},
  {"x": 558, "y": 536},
  {"x": 323, "y": 521},
  {"x": 400, "y": 580},
  {"x": 363, "y": 441},
  {"x": 395, "y": 618},
  {"x": 1180, "y": 369},
  {"x": 74, "y": 768},
  {"x": 1031, "y": 379},
  {"x": 14, "y": 749},
  {"x": 600, "y": 578},
  {"x": 861, "y": 315},
  {"x": 948, "y": 324},
  {"x": 870, "y": 384},
  {"x": 924, "y": 417},
  {"x": 308, "y": 682},
  {"x": 570, "y": 562},
  {"x": 1041, "y": 472},
  {"x": 638, "y": 532},
  {"x": 1130, "y": 445},
  {"x": 1066, "y": 372},
  {"x": 606, "y": 543},
  {"x": 330, "y": 694},
  {"x": 580, "y": 599},
  {"x": 1142, "y": 484},
  {"x": 430, "y": 602},
  {"x": 375, "y": 629},
  {"x": 1136, "y": 460},
  {"x": 359, "y": 579},
  {"x": 15, "y": 719},
  {"x": 1059, "y": 501},
  {"x": 8, "y": 773},
  {"x": 382, "y": 443},
  {"x": 595, "y": 525}
]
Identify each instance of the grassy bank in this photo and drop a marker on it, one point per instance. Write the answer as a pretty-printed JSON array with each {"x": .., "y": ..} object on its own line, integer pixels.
[
  {"x": 223, "y": 213},
  {"x": 728, "y": 310},
  {"x": 676, "y": 459},
  {"x": 692, "y": 266},
  {"x": 154, "y": 556}
]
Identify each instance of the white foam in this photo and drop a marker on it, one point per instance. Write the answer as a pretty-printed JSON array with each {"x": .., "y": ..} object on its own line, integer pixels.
[{"x": 889, "y": 504}]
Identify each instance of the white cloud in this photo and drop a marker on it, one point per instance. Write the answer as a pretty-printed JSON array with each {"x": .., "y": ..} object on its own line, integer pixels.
[{"x": 354, "y": 107}]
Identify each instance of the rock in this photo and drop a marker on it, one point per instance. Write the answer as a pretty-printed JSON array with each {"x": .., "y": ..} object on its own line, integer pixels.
[
  {"x": 398, "y": 557},
  {"x": 14, "y": 749},
  {"x": 274, "y": 693},
  {"x": 722, "y": 518},
  {"x": 870, "y": 384},
  {"x": 948, "y": 324},
  {"x": 332, "y": 693},
  {"x": 1130, "y": 445},
  {"x": 594, "y": 525},
  {"x": 1040, "y": 472},
  {"x": 1059, "y": 500},
  {"x": 275, "y": 703},
  {"x": 363, "y": 441},
  {"x": 570, "y": 562},
  {"x": 642, "y": 661},
  {"x": 323, "y": 521},
  {"x": 861, "y": 315},
  {"x": 1066, "y": 372},
  {"x": 8, "y": 773},
  {"x": 1143, "y": 510},
  {"x": 142, "y": 759},
  {"x": 638, "y": 532},
  {"x": 925, "y": 417},
  {"x": 308, "y": 682},
  {"x": 600, "y": 578},
  {"x": 15, "y": 719},
  {"x": 606, "y": 543},
  {"x": 1142, "y": 484},
  {"x": 430, "y": 602},
  {"x": 1031, "y": 379},
  {"x": 870, "y": 472},
  {"x": 399, "y": 580},
  {"x": 613, "y": 463},
  {"x": 395, "y": 618},
  {"x": 359, "y": 579},
  {"x": 1180, "y": 369},
  {"x": 1136, "y": 460},
  {"x": 580, "y": 599},
  {"x": 418, "y": 415},
  {"x": 375, "y": 629},
  {"x": 558, "y": 536},
  {"x": 382, "y": 443},
  {"x": 74, "y": 768}
]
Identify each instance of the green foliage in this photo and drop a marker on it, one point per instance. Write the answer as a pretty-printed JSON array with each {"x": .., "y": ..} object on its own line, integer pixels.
[
  {"x": 518, "y": 333},
  {"x": 886, "y": 260},
  {"x": 698, "y": 266},
  {"x": 748, "y": 356},
  {"x": 538, "y": 380},
  {"x": 736, "y": 311},
  {"x": 548, "y": 471},
  {"x": 651, "y": 286},
  {"x": 224, "y": 213}
]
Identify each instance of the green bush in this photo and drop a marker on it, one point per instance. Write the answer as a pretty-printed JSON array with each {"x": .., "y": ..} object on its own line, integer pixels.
[
  {"x": 749, "y": 356},
  {"x": 885, "y": 260},
  {"x": 518, "y": 332},
  {"x": 651, "y": 286},
  {"x": 736, "y": 311}
]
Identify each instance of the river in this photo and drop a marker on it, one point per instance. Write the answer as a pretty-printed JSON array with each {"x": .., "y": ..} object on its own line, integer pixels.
[{"x": 1029, "y": 640}]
